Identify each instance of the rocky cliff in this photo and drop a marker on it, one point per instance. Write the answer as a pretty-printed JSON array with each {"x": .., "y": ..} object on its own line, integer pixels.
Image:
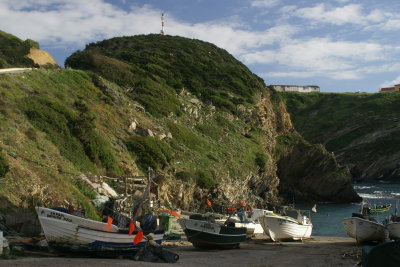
[
  {"x": 207, "y": 126},
  {"x": 360, "y": 129}
]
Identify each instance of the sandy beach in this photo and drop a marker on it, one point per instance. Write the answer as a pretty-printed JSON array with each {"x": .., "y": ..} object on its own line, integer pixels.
[{"x": 260, "y": 251}]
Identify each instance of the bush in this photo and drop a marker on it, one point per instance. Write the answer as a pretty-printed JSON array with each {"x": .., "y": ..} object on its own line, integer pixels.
[
  {"x": 150, "y": 152},
  {"x": 185, "y": 176},
  {"x": 84, "y": 188},
  {"x": 204, "y": 179},
  {"x": 261, "y": 160},
  {"x": 4, "y": 168},
  {"x": 185, "y": 136},
  {"x": 74, "y": 135}
]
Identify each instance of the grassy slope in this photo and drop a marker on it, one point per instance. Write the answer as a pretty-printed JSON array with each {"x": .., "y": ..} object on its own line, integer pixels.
[
  {"x": 155, "y": 65},
  {"x": 49, "y": 156},
  {"x": 362, "y": 126},
  {"x": 13, "y": 51}
]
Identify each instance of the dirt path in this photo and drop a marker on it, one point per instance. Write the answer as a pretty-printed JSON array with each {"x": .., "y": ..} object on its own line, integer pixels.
[{"x": 320, "y": 251}]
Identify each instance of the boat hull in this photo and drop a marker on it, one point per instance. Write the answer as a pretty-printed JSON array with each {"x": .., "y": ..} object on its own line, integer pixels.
[
  {"x": 282, "y": 227},
  {"x": 67, "y": 236},
  {"x": 203, "y": 234},
  {"x": 364, "y": 230},
  {"x": 62, "y": 216},
  {"x": 394, "y": 230}
]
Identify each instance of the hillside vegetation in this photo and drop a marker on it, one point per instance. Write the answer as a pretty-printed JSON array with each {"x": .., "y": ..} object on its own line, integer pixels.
[
  {"x": 13, "y": 51},
  {"x": 153, "y": 66},
  {"x": 361, "y": 129},
  {"x": 187, "y": 109}
]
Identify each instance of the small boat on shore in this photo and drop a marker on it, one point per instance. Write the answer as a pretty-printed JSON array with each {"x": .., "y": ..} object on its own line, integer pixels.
[
  {"x": 285, "y": 227},
  {"x": 68, "y": 233},
  {"x": 204, "y": 232},
  {"x": 252, "y": 221},
  {"x": 393, "y": 224},
  {"x": 81, "y": 221},
  {"x": 365, "y": 228}
]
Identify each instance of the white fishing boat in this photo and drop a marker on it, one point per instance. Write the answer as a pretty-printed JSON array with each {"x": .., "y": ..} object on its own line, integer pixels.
[
  {"x": 284, "y": 227},
  {"x": 252, "y": 221},
  {"x": 81, "y": 221},
  {"x": 66, "y": 233},
  {"x": 365, "y": 229}
]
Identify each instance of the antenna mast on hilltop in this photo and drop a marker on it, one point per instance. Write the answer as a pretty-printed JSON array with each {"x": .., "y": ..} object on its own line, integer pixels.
[{"x": 162, "y": 24}]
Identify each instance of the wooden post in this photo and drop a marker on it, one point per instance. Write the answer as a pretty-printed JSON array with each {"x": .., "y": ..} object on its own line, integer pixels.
[{"x": 126, "y": 186}]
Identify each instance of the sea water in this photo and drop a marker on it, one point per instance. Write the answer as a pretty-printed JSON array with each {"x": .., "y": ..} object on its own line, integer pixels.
[{"x": 327, "y": 221}]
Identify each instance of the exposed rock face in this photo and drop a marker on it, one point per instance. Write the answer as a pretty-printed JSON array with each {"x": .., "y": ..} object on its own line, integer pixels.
[
  {"x": 310, "y": 173},
  {"x": 41, "y": 58},
  {"x": 361, "y": 129},
  {"x": 313, "y": 174}
]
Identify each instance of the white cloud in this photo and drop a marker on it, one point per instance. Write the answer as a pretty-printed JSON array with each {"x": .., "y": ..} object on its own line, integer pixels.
[
  {"x": 392, "y": 24},
  {"x": 320, "y": 53},
  {"x": 390, "y": 83},
  {"x": 352, "y": 13},
  {"x": 74, "y": 22},
  {"x": 264, "y": 3},
  {"x": 335, "y": 75}
]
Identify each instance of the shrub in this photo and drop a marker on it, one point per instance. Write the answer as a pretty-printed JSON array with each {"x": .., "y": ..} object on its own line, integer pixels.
[
  {"x": 84, "y": 188},
  {"x": 4, "y": 168},
  {"x": 185, "y": 176},
  {"x": 150, "y": 152},
  {"x": 261, "y": 160},
  {"x": 204, "y": 179},
  {"x": 74, "y": 135},
  {"x": 185, "y": 136}
]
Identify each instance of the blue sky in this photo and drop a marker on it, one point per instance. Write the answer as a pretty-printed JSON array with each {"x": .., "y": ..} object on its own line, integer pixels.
[{"x": 339, "y": 45}]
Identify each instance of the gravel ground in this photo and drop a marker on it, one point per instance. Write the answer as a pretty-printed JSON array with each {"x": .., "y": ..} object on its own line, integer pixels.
[{"x": 260, "y": 251}]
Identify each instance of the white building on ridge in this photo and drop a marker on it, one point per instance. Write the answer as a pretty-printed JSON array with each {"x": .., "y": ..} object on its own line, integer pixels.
[{"x": 296, "y": 88}]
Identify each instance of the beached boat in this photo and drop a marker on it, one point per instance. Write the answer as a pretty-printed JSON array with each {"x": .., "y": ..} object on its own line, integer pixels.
[
  {"x": 284, "y": 227},
  {"x": 204, "y": 232},
  {"x": 81, "y": 221},
  {"x": 365, "y": 229},
  {"x": 64, "y": 232},
  {"x": 251, "y": 221}
]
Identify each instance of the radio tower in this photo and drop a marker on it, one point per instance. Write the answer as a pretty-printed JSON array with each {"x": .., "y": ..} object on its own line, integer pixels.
[{"x": 162, "y": 24}]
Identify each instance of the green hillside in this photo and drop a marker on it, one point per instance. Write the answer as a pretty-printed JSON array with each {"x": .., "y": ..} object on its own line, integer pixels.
[
  {"x": 154, "y": 65},
  {"x": 13, "y": 51},
  {"x": 361, "y": 129},
  {"x": 187, "y": 109}
]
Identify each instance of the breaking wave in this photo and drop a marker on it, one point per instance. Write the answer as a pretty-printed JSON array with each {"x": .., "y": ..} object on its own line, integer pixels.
[
  {"x": 360, "y": 187},
  {"x": 372, "y": 196}
]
